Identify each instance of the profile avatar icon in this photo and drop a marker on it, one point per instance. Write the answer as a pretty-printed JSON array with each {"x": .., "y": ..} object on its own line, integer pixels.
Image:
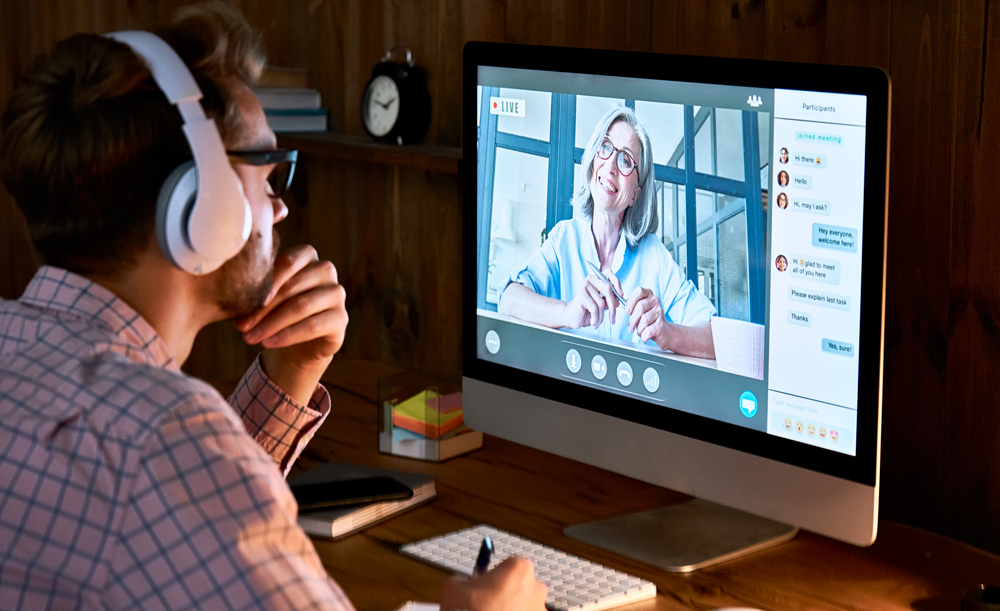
[
  {"x": 783, "y": 178},
  {"x": 781, "y": 263},
  {"x": 782, "y": 200},
  {"x": 784, "y": 155}
]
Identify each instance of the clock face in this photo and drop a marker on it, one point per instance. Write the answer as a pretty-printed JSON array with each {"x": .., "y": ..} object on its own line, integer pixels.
[{"x": 381, "y": 106}]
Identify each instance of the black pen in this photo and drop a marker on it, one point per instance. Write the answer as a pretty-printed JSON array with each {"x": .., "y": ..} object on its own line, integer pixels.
[{"x": 483, "y": 561}]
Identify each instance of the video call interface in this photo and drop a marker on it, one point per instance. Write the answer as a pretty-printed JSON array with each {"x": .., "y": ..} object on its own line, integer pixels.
[{"x": 694, "y": 246}]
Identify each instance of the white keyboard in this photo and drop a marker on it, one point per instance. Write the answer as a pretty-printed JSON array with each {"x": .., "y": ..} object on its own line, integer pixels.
[{"x": 574, "y": 583}]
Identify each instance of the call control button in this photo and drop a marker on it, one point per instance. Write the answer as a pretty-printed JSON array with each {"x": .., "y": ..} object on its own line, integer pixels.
[
  {"x": 599, "y": 366},
  {"x": 624, "y": 373},
  {"x": 573, "y": 360},
  {"x": 492, "y": 342},
  {"x": 651, "y": 379}
]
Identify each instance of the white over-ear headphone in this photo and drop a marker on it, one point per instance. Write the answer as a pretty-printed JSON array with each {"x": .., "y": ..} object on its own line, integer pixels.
[{"x": 202, "y": 217}]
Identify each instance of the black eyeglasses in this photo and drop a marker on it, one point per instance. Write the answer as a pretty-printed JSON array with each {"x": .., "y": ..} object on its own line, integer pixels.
[
  {"x": 280, "y": 178},
  {"x": 626, "y": 164}
]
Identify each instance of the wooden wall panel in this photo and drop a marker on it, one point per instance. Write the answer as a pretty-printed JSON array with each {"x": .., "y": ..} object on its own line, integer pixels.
[
  {"x": 923, "y": 72},
  {"x": 970, "y": 443},
  {"x": 394, "y": 233},
  {"x": 720, "y": 29}
]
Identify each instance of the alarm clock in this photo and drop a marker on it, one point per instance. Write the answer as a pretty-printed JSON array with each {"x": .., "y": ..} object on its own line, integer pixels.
[{"x": 396, "y": 105}]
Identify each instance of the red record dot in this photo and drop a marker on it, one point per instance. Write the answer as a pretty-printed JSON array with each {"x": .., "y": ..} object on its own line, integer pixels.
[{"x": 494, "y": 104}]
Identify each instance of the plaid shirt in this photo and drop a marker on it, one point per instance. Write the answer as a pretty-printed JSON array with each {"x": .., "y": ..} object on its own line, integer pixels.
[{"x": 126, "y": 484}]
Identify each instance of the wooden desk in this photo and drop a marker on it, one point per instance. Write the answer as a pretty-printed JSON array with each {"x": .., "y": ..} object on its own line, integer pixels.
[{"x": 536, "y": 494}]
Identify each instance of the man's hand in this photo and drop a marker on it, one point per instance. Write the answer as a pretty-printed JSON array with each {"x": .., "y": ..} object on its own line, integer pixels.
[
  {"x": 509, "y": 587},
  {"x": 302, "y": 324}
]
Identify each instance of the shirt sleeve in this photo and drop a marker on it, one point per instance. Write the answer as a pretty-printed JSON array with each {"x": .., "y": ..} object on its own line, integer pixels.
[
  {"x": 279, "y": 424},
  {"x": 541, "y": 272},
  {"x": 210, "y": 524}
]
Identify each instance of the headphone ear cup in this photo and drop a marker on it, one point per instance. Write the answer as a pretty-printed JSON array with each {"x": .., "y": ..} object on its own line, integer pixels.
[{"x": 173, "y": 204}]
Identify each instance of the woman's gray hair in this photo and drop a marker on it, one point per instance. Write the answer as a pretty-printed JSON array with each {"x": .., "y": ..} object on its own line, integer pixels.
[{"x": 640, "y": 218}]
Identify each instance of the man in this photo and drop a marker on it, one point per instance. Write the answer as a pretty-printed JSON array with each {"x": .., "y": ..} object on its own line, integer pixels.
[{"x": 125, "y": 483}]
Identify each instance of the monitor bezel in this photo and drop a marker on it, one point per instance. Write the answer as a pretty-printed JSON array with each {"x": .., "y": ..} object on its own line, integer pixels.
[{"x": 871, "y": 82}]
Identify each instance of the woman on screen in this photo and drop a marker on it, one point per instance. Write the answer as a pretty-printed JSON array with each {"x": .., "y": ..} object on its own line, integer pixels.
[{"x": 559, "y": 288}]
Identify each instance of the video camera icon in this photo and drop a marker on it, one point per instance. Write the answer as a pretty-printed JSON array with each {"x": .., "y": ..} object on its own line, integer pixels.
[{"x": 599, "y": 367}]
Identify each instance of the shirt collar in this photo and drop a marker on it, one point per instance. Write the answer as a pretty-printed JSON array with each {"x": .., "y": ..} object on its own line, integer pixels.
[{"x": 53, "y": 288}]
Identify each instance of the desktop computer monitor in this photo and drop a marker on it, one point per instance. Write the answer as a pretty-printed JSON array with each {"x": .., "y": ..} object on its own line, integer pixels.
[{"x": 674, "y": 269}]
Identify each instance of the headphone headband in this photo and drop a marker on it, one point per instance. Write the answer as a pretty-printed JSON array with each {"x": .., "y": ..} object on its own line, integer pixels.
[{"x": 202, "y": 217}]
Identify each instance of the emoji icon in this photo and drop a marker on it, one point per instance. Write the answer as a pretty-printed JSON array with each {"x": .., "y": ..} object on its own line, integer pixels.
[
  {"x": 802, "y": 261},
  {"x": 788, "y": 424},
  {"x": 834, "y": 435},
  {"x": 798, "y": 426},
  {"x": 811, "y": 430},
  {"x": 822, "y": 432},
  {"x": 818, "y": 161}
]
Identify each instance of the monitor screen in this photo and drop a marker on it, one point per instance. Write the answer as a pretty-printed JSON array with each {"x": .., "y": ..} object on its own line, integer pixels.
[{"x": 686, "y": 253}]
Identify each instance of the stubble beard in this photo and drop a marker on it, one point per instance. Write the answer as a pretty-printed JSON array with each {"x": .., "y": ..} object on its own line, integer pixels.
[{"x": 246, "y": 280}]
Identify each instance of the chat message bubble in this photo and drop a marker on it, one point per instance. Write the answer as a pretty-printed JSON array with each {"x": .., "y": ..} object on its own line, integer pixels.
[
  {"x": 815, "y": 268},
  {"x": 812, "y": 160},
  {"x": 821, "y": 138},
  {"x": 801, "y": 181},
  {"x": 835, "y": 347},
  {"x": 837, "y": 238},
  {"x": 800, "y": 318},
  {"x": 814, "y": 206},
  {"x": 839, "y": 302}
]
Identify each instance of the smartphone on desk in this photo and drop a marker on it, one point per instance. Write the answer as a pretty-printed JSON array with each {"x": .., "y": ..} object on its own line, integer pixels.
[{"x": 313, "y": 497}]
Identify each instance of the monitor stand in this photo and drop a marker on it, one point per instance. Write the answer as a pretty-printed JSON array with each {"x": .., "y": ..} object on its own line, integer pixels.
[{"x": 685, "y": 537}]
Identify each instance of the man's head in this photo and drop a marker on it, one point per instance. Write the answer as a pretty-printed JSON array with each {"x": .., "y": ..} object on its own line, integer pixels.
[{"x": 87, "y": 140}]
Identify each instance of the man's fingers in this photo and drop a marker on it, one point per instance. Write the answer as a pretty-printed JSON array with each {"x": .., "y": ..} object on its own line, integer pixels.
[
  {"x": 328, "y": 325},
  {"x": 290, "y": 262},
  {"x": 296, "y": 309},
  {"x": 312, "y": 274}
]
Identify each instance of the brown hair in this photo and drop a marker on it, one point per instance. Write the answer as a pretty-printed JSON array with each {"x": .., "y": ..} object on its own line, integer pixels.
[{"x": 88, "y": 137}]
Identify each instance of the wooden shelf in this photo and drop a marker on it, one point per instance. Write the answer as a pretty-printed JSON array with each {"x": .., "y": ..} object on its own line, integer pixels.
[{"x": 361, "y": 148}]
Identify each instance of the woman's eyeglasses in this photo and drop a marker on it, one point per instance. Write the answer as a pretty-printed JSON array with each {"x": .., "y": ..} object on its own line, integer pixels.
[
  {"x": 626, "y": 164},
  {"x": 280, "y": 178}
]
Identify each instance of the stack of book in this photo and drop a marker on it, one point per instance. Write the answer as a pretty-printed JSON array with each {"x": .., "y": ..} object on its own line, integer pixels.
[
  {"x": 339, "y": 522},
  {"x": 289, "y": 105}
]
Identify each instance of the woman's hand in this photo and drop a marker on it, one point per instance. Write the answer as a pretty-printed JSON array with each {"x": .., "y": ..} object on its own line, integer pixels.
[
  {"x": 646, "y": 318},
  {"x": 588, "y": 307},
  {"x": 509, "y": 587}
]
